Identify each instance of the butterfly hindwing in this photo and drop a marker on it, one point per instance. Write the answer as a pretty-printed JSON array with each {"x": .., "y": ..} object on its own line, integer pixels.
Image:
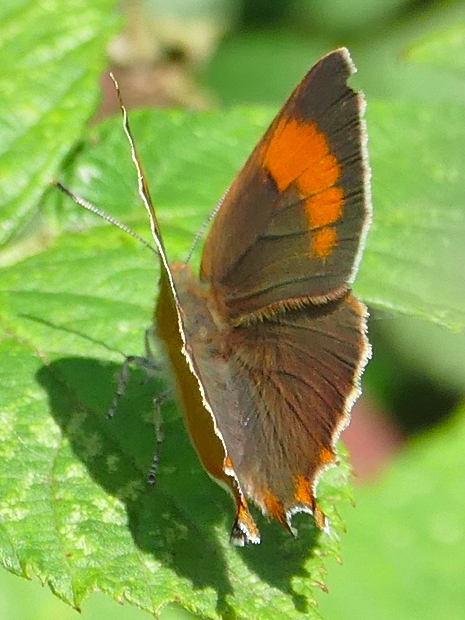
[{"x": 282, "y": 390}]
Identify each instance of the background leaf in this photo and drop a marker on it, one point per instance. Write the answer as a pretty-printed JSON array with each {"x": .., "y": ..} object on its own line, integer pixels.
[
  {"x": 415, "y": 257},
  {"x": 50, "y": 51},
  {"x": 444, "y": 48},
  {"x": 407, "y": 536},
  {"x": 87, "y": 300}
]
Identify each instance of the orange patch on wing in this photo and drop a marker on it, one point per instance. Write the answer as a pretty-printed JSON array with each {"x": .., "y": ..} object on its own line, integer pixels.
[
  {"x": 245, "y": 518},
  {"x": 324, "y": 242},
  {"x": 298, "y": 151},
  {"x": 320, "y": 174},
  {"x": 275, "y": 507},
  {"x": 326, "y": 207},
  {"x": 304, "y": 495},
  {"x": 302, "y": 492},
  {"x": 326, "y": 455}
]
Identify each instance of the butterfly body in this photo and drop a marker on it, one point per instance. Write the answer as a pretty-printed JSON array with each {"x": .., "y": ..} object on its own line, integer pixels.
[{"x": 203, "y": 331}]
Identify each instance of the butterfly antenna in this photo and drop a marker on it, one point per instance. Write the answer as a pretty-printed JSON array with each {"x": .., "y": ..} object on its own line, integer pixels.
[
  {"x": 203, "y": 228},
  {"x": 104, "y": 215},
  {"x": 144, "y": 192}
]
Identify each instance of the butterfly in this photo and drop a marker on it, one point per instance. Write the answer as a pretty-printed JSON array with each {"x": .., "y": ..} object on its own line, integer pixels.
[{"x": 267, "y": 344}]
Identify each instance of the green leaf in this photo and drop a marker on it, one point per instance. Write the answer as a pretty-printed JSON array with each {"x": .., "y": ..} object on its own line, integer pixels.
[
  {"x": 435, "y": 352},
  {"x": 415, "y": 257},
  {"x": 442, "y": 48},
  {"x": 75, "y": 510},
  {"x": 71, "y": 312},
  {"x": 52, "y": 54},
  {"x": 404, "y": 553}
]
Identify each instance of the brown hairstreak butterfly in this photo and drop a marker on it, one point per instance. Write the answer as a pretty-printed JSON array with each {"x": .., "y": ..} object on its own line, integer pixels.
[{"x": 268, "y": 344}]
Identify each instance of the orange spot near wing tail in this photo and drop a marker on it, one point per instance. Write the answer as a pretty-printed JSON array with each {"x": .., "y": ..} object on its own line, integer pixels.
[
  {"x": 327, "y": 455},
  {"x": 302, "y": 492},
  {"x": 244, "y": 529},
  {"x": 275, "y": 509},
  {"x": 303, "y": 495}
]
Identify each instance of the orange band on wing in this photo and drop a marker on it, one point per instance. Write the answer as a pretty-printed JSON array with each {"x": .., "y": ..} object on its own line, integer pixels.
[
  {"x": 322, "y": 210},
  {"x": 299, "y": 153},
  {"x": 323, "y": 242},
  {"x": 325, "y": 208},
  {"x": 322, "y": 170}
]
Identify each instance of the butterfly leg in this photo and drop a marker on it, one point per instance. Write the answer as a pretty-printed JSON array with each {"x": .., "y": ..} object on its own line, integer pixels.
[
  {"x": 149, "y": 336},
  {"x": 157, "y": 403},
  {"x": 148, "y": 362}
]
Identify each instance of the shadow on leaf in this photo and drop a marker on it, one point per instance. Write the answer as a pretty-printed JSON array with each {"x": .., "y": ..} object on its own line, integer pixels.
[{"x": 183, "y": 520}]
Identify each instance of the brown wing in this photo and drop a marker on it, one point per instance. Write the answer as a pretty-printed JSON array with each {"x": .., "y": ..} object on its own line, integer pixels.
[
  {"x": 282, "y": 395},
  {"x": 293, "y": 222}
]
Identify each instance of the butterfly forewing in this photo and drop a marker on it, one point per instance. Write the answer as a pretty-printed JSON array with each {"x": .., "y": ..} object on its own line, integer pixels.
[{"x": 292, "y": 225}]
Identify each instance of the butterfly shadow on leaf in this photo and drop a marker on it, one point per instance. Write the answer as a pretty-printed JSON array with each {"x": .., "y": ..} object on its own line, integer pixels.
[{"x": 183, "y": 521}]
